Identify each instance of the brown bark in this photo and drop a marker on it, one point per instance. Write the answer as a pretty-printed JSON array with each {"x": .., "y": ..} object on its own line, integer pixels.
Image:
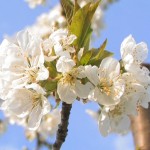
[
  {"x": 63, "y": 126},
  {"x": 141, "y": 127}
]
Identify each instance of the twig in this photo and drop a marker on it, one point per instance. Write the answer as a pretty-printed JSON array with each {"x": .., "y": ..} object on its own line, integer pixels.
[
  {"x": 63, "y": 126},
  {"x": 41, "y": 142}
]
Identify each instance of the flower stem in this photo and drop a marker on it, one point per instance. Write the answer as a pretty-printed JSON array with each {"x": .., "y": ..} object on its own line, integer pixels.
[{"x": 63, "y": 126}]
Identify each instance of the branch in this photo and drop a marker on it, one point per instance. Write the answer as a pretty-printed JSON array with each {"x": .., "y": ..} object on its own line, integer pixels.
[
  {"x": 63, "y": 126},
  {"x": 41, "y": 142}
]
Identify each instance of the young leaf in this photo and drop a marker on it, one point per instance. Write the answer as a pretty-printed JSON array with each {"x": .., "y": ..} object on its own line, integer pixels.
[
  {"x": 68, "y": 9},
  {"x": 76, "y": 7},
  {"x": 52, "y": 68},
  {"x": 101, "y": 50},
  {"x": 99, "y": 54},
  {"x": 81, "y": 24},
  {"x": 85, "y": 58}
]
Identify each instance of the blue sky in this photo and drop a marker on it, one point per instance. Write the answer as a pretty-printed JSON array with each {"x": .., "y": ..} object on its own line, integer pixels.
[{"x": 122, "y": 18}]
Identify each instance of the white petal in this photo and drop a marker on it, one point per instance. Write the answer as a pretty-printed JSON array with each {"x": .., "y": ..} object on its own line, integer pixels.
[
  {"x": 66, "y": 92},
  {"x": 36, "y": 87},
  {"x": 121, "y": 125},
  {"x": 30, "y": 44},
  {"x": 64, "y": 64},
  {"x": 110, "y": 66},
  {"x": 35, "y": 117},
  {"x": 23, "y": 38},
  {"x": 82, "y": 90},
  {"x": 70, "y": 39},
  {"x": 46, "y": 105},
  {"x": 59, "y": 35},
  {"x": 92, "y": 74},
  {"x": 140, "y": 52},
  {"x": 104, "y": 124},
  {"x": 43, "y": 73},
  {"x": 127, "y": 46},
  {"x": 104, "y": 99},
  {"x": 58, "y": 49},
  {"x": 118, "y": 89},
  {"x": 19, "y": 102}
]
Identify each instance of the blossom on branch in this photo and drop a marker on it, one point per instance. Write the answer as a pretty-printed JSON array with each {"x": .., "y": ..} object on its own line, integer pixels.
[
  {"x": 109, "y": 87},
  {"x": 29, "y": 103}
]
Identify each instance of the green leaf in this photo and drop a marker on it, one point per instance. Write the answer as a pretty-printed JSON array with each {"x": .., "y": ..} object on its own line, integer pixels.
[
  {"x": 81, "y": 24},
  {"x": 99, "y": 54},
  {"x": 101, "y": 50},
  {"x": 68, "y": 9},
  {"x": 76, "y": 7},
  {"x": 87, "y": 40},
  {"x": 85, "y": 58},
  {"x": 50, "y": 86},
  {"x": 51, "y": 66}
]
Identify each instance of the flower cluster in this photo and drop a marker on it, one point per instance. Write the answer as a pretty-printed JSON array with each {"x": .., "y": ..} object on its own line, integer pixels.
[
  {"x": 21, "y": 70},
  {"x": 128, "y": 85},
  {"x": 31, "y": 69}
]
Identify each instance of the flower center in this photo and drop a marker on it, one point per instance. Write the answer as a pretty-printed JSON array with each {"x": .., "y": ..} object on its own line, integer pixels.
[
  {"x": 32, "y": 74},
  {"x": 105, "y": 86},
  {"x": 36, "y": 99},
  {"x": 117, "y": 111},
  {"x": 70, "y": 77}
]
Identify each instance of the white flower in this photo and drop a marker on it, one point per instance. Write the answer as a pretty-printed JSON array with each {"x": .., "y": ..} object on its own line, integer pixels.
[
  {"x": 29, "y": 103},
  {"x": 34, "y": 3},
  {"x": 132, "y": 87},
  {"x": 109, "y": 87},
  {"x": 22, "y": 62},
  {"x": 60, "y": 40},
  {"x": 49, "y": 124},
  {"x": 115, "y": 118},
  {"x": 135, "y": 90},
  {"x": 132, "y": 54},
  {"x": 70, "y": 87}
]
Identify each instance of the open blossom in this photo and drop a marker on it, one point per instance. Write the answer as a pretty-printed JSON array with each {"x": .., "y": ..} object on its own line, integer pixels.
[
  {"x": 70, "y": 86},
  {"x": 135, "y": 90},
  {"x": 109, "y": 87},
  {"x": 60, "y": 41},
  {"x": 27, "y": 103},
  {"x": 49, "y": 124},
  {"x": 132, "y": 53},
  {"x": 116, "y": 118},
  {"x": 22, "y": 62},
  {"x": 34, "y": 3}
]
